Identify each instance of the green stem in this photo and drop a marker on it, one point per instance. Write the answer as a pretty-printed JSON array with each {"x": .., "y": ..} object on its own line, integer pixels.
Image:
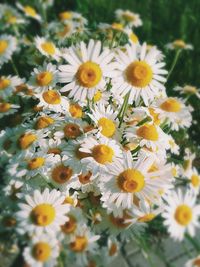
[
  {"x": 174, "y": 62},
  {"x": 14, "y": 67},
  {"x": 124, "y": 108},
  {"x": 193, "y": 242}
]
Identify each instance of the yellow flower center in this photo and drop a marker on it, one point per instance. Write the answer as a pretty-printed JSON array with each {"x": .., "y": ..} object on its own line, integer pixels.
[
  {"x": 65, "y": 15},
  {"x": 41, "y": 251},
  {"x": 70, "y": 226},
  {"x": 44, "y": 78},
  {"x": 131, "y": 181},
  {"x": 195, "y": 180},
  {"x": 3, "y": 46},
  {"x": 85, "y": 178},
  {"x": 108, "y": 127},
  {"x": 183, "y": 215},
  {"x": 148, "y": 132},
  {"x": 12, "y": 19},
  {"x": 69, "y": 200},
  {"x": 43, "y": 122},
  {"x": 179, "y": 44},
  {"x": 155, "y": 116},
  {"x": 36, "y": 163},
  {"x": 54, "y": 150},
  {"x": 147, "y": 218},
  {"x": 97, "y": 96},
  {"x": 76, "y": 110},
  {"x": 120, "y": 222},
  {"x": 51, "y": 97},
  {"x": 80, "y": 244},
  {"x": 61, "y": 174},
  {"x": 48, "y": 47},
  {"x": 26, "y": 140},
  {"x": 133, "y": 37},
  {"x": 72, "y": 130},
  {"x": 128, "y": 17},
  {"x": 43, "y": 214},
  {"x": 4, "y": 107},
  {"x": 117, "y": 26},
  {"x": 30, "y": 11},
  {"x": 4, "y": 83},
  {"x": 139, "y": 74},
  {"x": 171, "y": 105},
  {"x": 103, "y": 154},
  {"x": 190, "y": 89},
  {"x": 89, "y": 74}
]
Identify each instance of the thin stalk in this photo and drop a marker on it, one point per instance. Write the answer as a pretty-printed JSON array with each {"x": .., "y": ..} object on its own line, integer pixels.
[
  {"x": 124, "y": 108},
  {"x": 193, "y": 242},
  {"x": 174, "y": 62},
  {"x": 14, "y": 67}
]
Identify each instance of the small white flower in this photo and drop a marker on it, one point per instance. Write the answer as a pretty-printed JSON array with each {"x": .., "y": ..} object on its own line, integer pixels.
[
  {"x": 29, "y": 11},
  {"x": 8, "y": 45},
  {"x": 47, "y": 48}
]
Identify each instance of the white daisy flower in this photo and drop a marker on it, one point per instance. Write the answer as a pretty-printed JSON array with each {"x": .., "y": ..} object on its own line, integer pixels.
[
  {"x": 181, "y": 214},
  {"x": 175, "y": 111},
  {"x": 7, "y": 109},
  {"x": 174, "y": 148},
  {"x": 193, "y": 262},
  {"x": 87, "y": 70},
  {"x": 29, "y": 11},
  {"x": 188, "y": 89},
  {"x": 101, "y": 97},
  {"x": 128, "y": 17},
  {"x": 53, "y": 100},
  {"x": 43, "y": 78},
  {"x": 148, "y": 135},
  {"x": 132, "y": 37},
  {"x": 194, "y": 179},
  {"x": 10, "y": 16},
  {"x": 8, "y": 45},
  {"x": 103, "y": 152},
  {"x": 8, "y": 84},
  {"x": 179, "y": 44},
  {"x": 42, "y": 213},
  {"x": 47, "y": 48},
  {"x": 139, "y": 74},
  {"x": 105, "y": 118},
  {"x": 42, "y": 251}
]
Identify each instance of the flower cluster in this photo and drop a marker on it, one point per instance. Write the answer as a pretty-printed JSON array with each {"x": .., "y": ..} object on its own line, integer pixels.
[{"x": 87, "y": 141}]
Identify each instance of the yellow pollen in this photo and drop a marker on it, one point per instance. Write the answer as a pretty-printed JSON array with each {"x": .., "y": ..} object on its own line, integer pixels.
[
  {"x": 26, "y": 140},
  {"x": 108, "y": 127},
  {"x": 43, "y": 214},
  {"x": 195, "y": 180},
  {"x": 171, "y": 105},
  {"x": 70, "y": 226},
  {"x": 76, "y": 110},
  {"x": 48, "y": 47},
  {"x": 41, "y": 251},
  {"x": 147, "y": 218},
  {"x": 179, "y": 44},
  {"x": 43, "y": 122},
  {"x": 36, "y": 163},
  {"x": 103, "y": 154},
  {"x": 61, "y": 174},
  {"x": 190, "y": 89},
  {"x": 51, "y": 97},
  {"x": 69, "y": 200},
  {"x": 155, "y": 116},
  {"x": 133, "y": 37},
  {"x": 3, "y": 46},
  {"x": 44, "y": 78},
  {"x": 12, "y": 19},
  {"x": 4, "y": 83},
  {"x": 66, "y": 15},
  {"x": 72, "y": 131},
  {"x": 80, "y": 244},
  {"x": 113, "y": 249},
  {"x": 30, "y": 11},
  {"x": 139, "y": 74},
  {"x": 97, "y": 96},
  {"x": 85, "y": 178},
  {"x": 4, "y": 107},
  {"x": 89, "y": 74},
  {"x": 183, "y": 214},
  {"x": 120, "y": 222},
  {"x": 148, "y": 132},
  {"x": 117, "y": 26},
  {"x": 131, "y": 181}
]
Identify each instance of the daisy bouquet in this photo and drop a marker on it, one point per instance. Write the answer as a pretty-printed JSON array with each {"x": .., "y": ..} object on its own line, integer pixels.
[{"x": 91, "y": 156}]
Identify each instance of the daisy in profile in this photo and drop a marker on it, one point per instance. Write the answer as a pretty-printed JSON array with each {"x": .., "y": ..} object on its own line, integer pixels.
[
  {"x": 43, "y": 78},
  {"x": 179, "y": 44},
  {"x": 7, "y": 109},
  {"x": 42, "y": 213},
  {"x": 188, "y": 90},
  {"x": 87, "y": 70},
  {"x": 52, "y": 100},
  {"x": 128, "y": 17},
  {"x": 181, "y": 214},
  {"x": 139, "y": 74},
  {"x": 175, "y": 111},
  {"x": 29, "y": 11},
  {"x": 194, "y": 179},
  {"x": 42, "y": 250},
  {"x": 8, "y": 84},
  {"x": 8, "y": 45},
  {"x": 193, "y": 262},
  {"x": 133, "y": 39},
  {"x": 103, "y": 152},
  {"x": 47, "y": 48},
  {"x": 105, "y": 119},
  {"x": 149, "y": 135}
]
